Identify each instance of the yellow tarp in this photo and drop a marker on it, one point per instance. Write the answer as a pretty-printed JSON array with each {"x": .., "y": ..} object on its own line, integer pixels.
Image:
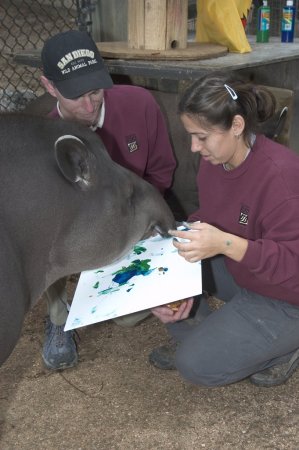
[{"x": 220, "y": 22}]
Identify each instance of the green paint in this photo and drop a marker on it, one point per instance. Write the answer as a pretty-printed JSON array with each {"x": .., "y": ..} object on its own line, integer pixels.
[
  {"x": 96, "y": 285},
  {"x": 138, "y": 249},
  {"x": 108, "y": 290}
]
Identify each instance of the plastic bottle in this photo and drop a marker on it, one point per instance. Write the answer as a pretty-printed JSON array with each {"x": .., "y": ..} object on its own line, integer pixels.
[
  {"x": 288, "y": 22},
  {"x": 263, "y": 22}
]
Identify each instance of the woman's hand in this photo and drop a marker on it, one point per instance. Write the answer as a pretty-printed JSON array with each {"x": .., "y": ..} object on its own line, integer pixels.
[
  {"x": 167, "y": 315},
  {"x": 205, "y": 241}
]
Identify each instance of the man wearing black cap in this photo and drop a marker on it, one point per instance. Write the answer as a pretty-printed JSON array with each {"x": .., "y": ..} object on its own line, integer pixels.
[{"x": 130, "y": 124}]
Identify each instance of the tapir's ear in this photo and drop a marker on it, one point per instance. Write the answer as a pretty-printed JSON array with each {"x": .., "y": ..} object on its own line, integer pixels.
[{"x": 74, "y": 160}]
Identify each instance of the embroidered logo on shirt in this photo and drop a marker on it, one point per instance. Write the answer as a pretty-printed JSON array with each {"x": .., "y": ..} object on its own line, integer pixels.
[
  {"x": 244, "y": 213},
  {"x": 132, "y": 143}
]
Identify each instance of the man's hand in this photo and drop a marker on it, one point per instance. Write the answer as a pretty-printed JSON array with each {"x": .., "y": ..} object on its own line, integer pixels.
[{"x": 167, "y": 315}]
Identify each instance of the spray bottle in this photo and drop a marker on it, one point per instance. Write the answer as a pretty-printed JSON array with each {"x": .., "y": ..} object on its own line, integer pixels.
[
  {"x": 288, "y": 22},
  {"x": 263, "y": 22}
]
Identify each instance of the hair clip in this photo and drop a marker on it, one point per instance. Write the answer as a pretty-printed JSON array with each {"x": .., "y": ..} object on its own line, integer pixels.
[{"x": 231, "y": 92}]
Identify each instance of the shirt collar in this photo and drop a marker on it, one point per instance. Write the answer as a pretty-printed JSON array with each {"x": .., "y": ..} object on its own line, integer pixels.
[
  {"x": 100, "y": 122},
  {"x": 59, "y": 112}
]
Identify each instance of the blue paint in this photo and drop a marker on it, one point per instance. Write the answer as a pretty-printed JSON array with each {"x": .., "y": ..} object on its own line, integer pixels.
[
  {"x": 137, "y": 267},
  {"x": 109, "y": 290},
  {"x": 130, "y": 287},
  {"x": 76, "y": 322}
]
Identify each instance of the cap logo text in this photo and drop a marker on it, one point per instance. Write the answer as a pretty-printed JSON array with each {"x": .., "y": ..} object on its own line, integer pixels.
[{"x": 75, "y": 54}]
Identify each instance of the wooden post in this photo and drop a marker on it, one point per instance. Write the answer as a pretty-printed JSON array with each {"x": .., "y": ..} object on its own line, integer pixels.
[
  {"x": 155, "y": 21},
  {"x": 177, "y": 24},
  {"x": 136, "y": 24},
  {"x": 156, "y": 30},
  {"x": 157, "y": 24}
]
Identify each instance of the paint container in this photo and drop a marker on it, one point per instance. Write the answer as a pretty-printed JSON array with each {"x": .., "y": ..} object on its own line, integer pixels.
[
  {"x": 263, "y": 23},
  {"x": 288, "y": 22}
]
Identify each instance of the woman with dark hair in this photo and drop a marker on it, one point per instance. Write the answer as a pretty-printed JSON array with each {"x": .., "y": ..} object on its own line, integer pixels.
[{"x": 246, "y": 232}]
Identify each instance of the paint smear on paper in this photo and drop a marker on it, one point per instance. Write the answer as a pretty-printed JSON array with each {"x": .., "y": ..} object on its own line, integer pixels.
[
  {"x": 109, "y": 290},
  {"x": 123, "y": 276},
  {"x": 137, "y": 267},
  {"x": 138, "y": 249}
]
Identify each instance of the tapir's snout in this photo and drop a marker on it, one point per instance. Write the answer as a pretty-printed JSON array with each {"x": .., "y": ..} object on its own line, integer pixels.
[
  {"x": 161, "y": 227},
  {"x": 163, "y": 231},
  {"x": 165, "y": 221}
]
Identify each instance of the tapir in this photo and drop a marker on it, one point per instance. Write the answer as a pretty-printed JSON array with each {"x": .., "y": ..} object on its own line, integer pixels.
[{"x": 65, "y": 207}]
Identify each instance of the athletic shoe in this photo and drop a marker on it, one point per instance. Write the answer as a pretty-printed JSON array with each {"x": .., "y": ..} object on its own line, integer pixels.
[
  {"x": 60, "y": 348},
  {"x": 279, "y": 374}
]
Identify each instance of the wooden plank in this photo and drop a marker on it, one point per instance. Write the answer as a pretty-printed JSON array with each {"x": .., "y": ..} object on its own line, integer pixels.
[
  {"x": 109, "y": 20},
  {"x": 155, "y": 19},
  {"x": 116, "y": 50},
  {"x": 193, "y": 51},
  {"x": 136, "y": 24},
  {"x": 177, "y": 24}
]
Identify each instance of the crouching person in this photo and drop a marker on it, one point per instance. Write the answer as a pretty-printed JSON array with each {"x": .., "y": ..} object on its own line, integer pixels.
[{"x": 246, "y": 233}]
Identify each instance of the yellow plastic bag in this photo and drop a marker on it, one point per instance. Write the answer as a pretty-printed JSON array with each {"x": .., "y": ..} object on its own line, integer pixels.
[{"x": 220, "y": 22}]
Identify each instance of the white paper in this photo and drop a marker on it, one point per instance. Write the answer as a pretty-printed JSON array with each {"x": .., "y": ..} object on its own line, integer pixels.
[{"x": 153, "y": 274}]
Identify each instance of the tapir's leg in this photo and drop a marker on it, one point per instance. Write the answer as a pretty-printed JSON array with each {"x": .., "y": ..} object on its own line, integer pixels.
[
  {"x": 14, "y": 300},
  {"x": 13, "y": 309}
]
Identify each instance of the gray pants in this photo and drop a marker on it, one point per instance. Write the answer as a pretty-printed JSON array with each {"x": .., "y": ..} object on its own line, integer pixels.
[
  {"x": 247, "y": 334},
  {"x": 56, "y": 296}
]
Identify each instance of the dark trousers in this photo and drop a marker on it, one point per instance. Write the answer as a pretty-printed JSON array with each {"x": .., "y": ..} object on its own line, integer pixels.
[{"x": 246, "y": 335}]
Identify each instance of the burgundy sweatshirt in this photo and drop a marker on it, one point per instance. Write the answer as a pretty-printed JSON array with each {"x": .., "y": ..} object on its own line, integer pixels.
[
  {"x": 259, "y": 201},
  {"x": 135, "y": 134}
]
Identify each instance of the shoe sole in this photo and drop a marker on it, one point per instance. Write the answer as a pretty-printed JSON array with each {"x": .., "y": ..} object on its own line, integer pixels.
[
  {"x": 161, "y": 366},
  {"x": 61, "y": 366},
  {"x": 277, "y": 381}
]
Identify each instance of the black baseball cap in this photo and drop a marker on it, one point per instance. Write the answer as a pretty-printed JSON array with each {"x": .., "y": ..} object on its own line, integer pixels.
[{"x": 73, "y": 62}]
